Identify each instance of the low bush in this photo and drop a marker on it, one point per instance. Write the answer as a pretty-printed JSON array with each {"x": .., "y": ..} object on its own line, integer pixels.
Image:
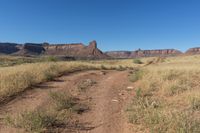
[
  {"x": 34, "y": 121},
  {"x": 86, "y": 83},
  {"x": 195, "y": 103},
  {"x": 136, "y": 75},
  {"x": 137, "y": 61},
  {"x": 62, "y": 100},
  {"x": 120, "y": 68},
  {"x": 51, "y": 58}
]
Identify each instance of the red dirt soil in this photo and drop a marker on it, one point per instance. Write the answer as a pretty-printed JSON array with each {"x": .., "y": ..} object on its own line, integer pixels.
[{"x": 107, "y": 100}]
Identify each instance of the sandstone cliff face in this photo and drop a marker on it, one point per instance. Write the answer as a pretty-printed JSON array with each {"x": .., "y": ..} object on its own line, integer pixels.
[
  {"x": 19, "y": 49},
  {"x": 151, "y": 53},
  {"x": 8, "y": 48},
  {"x": 192, "y": 51},
  {"x": 143, "y": 53},
  {"x": 63, "y": 49},
  {"x": 34, "y": 48},
  {"x": 92, "y": 51},
  {"x": 119, "y": 54},
  {"x": 30, "y": 49},
  {"x": 77, "y": 50}
]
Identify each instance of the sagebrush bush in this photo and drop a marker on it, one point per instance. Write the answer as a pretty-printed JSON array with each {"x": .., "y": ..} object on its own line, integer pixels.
[
  {"x": 137, "y": 61},
  {"x": 86, "y": 83},
  {"x": 65, "y": 101},
  {"x": 52, "y": 58},
  {"x": 62, "y": 100},
  {"x": 136, "y": 75},
  {"x": 195, "y": 103},
  {"x": 34, "y": 121}
]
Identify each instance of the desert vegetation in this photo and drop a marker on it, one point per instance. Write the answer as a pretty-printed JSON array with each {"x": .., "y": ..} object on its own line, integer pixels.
[
  {"x": 45, "y": 119},
  {"x": 137, "y": 61},
  {"x": 35, "y": 121},
  {"x": 6, "y": 60},
  {"x": 167, "y": 96},
  {"x": 15, "y": 79}
]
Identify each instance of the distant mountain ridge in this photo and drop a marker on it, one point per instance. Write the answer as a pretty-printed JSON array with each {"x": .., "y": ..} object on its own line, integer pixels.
[
  {"x": 144, "y": 53},
  {"x": 81, "y": 51},
  {"x": 77, "y": 50}
]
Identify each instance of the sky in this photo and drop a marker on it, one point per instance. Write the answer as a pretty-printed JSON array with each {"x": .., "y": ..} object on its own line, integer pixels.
[{"x": 114, "y": 24}]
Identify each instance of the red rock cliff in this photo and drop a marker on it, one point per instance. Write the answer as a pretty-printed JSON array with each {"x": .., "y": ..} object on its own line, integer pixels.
[
  {"x": 143, "y": 53},
  {"x": 119, "y": 54},
  {"x": 78, "y": 50},
  {"x": 192, "y": 51},
  {"x": 159, "y": 52}
]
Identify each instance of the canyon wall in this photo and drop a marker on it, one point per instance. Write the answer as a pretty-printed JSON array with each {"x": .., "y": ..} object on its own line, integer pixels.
[
  {"x": 119, "y": 54},
  {"x": 77, "y": 50},
  {"x": 9, "y": 48},
  {"x": 159, "y": 52},
  {"x": 143, "y": 53},
  {"x": 193, "y": 51}
]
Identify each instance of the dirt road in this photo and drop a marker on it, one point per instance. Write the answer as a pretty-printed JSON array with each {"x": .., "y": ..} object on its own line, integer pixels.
[{"x": 107, "y": 100}]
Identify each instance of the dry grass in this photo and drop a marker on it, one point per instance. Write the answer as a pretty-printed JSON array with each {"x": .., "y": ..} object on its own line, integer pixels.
[
  {"x": 38, "y": 121},
  {"x": 62, "y": 100},
  {"x": 168, "y": 97},
  {"x": 17, "y": 78},
  {"x": 49, "y": 118},
  {"x": 85, "y": 84}
]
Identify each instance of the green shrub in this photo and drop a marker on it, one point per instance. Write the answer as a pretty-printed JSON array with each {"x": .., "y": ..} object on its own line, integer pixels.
[
  {"x": 137, "y": 74},
  {"x": 103, "y": 67},
  {"x": 120, "y": 68},
  {"x": 137, "y": 61},
  {"x": 52, "y": 59},
  {"x": 62, "y": 100},
  {"x": 195, "y": 103},
  {"x": 138, "y": 92}
]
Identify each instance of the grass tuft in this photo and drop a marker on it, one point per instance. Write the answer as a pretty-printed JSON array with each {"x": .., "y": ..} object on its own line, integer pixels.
[
  {"x": 136, "y": 75},
  {"x": 137, "y": 61},
  {"x": 62, "y": 100},
  {"x": 34, "y": 121},
  {"x": 86, "y": 83}
]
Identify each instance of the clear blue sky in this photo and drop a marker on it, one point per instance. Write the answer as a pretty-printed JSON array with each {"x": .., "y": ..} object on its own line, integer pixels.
[{"x": 115, "y": 24}]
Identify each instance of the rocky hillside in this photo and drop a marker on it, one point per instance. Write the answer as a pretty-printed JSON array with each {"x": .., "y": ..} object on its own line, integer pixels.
[
  {"x": 119, "y": 54},
  {"x": 159, "y": 52},
  {"x": 195, "y": 50},
  {"x": 81, "y": 51},
  {"x": 9, "y": 48},
  {"x": 77, "y": 50},
  {"x": 30, "y": 49},
  {"x": 143, "y": 53}
]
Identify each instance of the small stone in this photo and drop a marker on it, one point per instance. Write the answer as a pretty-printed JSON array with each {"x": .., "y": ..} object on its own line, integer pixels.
[
  {"x": 121, "y": 94},
  {"x": 114, "y": 100},
  {"x": 130, "y": 87},
  {"x": 102, "y": 73}
]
